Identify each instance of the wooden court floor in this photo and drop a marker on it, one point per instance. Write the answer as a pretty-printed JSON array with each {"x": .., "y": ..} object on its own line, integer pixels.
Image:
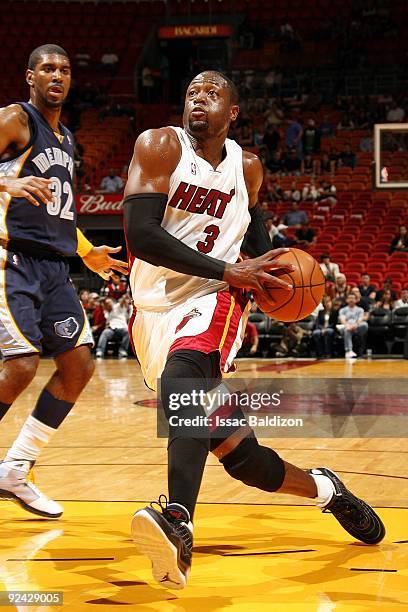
[{"x": 253, "y": 550}]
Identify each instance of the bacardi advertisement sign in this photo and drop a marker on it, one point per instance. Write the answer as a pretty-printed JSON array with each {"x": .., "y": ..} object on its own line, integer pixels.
[
  {"x": 99, "y": 204},
  {"x": 195, "y": 31}
]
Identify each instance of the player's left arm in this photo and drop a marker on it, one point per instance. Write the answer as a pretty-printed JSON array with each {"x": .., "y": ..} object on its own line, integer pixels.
[
  {"x": 98, "y": 259},
  {"x": 257, "y": 240}
]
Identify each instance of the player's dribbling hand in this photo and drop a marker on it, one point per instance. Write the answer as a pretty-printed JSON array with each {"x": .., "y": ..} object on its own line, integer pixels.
[
  {"x": 27, "y": 188},
  {"x": 255, "y": 273},
  {"x": 99, "y": 260}
]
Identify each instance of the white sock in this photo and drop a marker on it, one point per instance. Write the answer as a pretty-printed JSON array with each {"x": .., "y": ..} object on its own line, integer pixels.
[
  {"x": 325, "y": 488},
  {"x": 33, "y": 436}
]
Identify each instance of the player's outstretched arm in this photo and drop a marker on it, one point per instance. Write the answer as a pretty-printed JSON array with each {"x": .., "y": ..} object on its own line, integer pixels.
[
  {"x": 156, "y": 155},
  {"x": 14, "y": 137},
  {"x": 98, "y": 259}
]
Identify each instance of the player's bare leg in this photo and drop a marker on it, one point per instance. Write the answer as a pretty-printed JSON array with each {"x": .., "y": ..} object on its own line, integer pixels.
[
  {"x": 74, "y": 369},
  {"x": 298, "y": 482}
]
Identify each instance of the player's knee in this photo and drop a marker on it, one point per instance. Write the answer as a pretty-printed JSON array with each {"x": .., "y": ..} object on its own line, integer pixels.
[
  {"x": 76, "y": 373},
  {"x": 255, "y": 465},
  {"x": 17, "y": 374}
]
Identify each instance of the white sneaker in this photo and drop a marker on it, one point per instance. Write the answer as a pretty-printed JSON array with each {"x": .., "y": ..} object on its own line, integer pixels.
[
  {"x": 350, "y": 354},
  {"x": 15, "y": 487},
  {"x": 123, "y": 356},
  {"x": 99, "y": 355}
]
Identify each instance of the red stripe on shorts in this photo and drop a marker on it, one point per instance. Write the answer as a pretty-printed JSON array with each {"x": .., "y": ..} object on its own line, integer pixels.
[
  {"x": 130, "y": 328},
  {"x": 210, "y": 340}
]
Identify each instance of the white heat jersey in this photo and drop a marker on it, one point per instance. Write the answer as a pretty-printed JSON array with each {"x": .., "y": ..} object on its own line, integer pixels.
[{"x": 207, "y": 209}]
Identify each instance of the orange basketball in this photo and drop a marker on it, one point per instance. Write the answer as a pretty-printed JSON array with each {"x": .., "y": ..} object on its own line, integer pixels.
[{"x": 308, "y": 285}]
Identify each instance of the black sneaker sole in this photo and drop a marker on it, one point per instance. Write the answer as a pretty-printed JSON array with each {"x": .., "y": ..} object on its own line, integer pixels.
[
  {"x": 148, "y": 530},
  {"x": 8, "y": 496},
  {"x": 374, "y": 532}
]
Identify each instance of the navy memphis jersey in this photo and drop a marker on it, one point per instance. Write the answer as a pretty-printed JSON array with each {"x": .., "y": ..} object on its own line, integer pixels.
[{"x": 50, "y": 227}]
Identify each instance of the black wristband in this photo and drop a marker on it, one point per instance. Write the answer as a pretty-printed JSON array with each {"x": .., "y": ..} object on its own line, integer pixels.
[{"x": 149, "y": 241}]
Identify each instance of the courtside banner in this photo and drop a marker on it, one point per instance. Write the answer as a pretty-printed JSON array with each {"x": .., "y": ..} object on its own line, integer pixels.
[
  {"x": 286, "y": 407},
  {"x": 195, "y": 31},
  {"x": 99, "y": 204}
]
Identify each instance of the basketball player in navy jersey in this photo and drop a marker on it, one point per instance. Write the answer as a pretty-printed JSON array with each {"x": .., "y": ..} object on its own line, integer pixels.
[
  {"x": 39, "y": 308},
  {"x": 186, "y": 212}
]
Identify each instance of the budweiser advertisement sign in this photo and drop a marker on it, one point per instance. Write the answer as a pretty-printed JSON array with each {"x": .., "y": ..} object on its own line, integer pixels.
[
  {"x": 99, "y": 204},
  {"x": 195, "y": 31}
]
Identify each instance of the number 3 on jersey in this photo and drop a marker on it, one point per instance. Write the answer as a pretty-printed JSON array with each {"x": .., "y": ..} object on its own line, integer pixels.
[
  {"x": 54, "y": 207},
  {"x": 206, "y": 246}
]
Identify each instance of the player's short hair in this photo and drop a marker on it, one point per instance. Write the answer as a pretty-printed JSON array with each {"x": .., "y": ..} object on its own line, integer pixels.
[
  {"x": 48, "y": 49},
  {"x": 234, "y": 95}
]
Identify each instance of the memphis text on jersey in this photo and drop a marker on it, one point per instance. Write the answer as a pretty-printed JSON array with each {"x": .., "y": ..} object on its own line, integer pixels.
[
  {"x": 200, "y": 200},
  {"x": 54, "y": 157}
]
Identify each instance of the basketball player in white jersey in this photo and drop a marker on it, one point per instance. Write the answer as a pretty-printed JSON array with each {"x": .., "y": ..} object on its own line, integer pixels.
[{"x": 191, "y": 197}]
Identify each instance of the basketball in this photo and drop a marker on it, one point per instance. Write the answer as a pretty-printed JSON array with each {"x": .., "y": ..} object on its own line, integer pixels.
[{"x": 308, "y": 285}]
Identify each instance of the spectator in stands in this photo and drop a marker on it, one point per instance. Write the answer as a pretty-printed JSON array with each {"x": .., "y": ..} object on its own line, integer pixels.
[
  {"x": 367, "y": 290},
  {"x": 308, "y": 165},
  {"x": 367, "y": 144},
  {"x": 109, "y": 62},
  {"x": 96, "y": 316},
  {"x": 311, "y": 138},
  {"x": 347, "y": 157},
  {"x": 147, "y": 84},
  {"x": 84, "y": 298},
  {"x": 293, "y": 135},
  {"x": 310, "y": 192},
  {"x": 400, "y": 241},
  {"x": 280, "y": 239},
  {"x": 271, "y": 138},
  {"x": 124, "y": 173},
  {"x": 340, "y": 289},
  {"x": 271, "y": 224},
  {"x": 276, "y": 163},
  {"x": 324, "y": 332},
  {"x": 330, "y": 269},
  {"x": 274, "y": 115},
  {"x": 395, "y": 114},
  {"x": 291, "y": 341},
  {"x": 361, "y": 302},
  {"x": 246, "y": 138},
  {"x": 327, "y": 193},
  {"x": 115, "y": 287},
  {"x": 275, "y": 192},
  {"x": 355, "y": 327},
  {"x": 345, "y": 123},
  {"x": 386, "y": 302},
  {"x": 251, "y": 341},
  {"x": 292, "y": 163},
  {"x": 403, "y": 301},
  {"x": 324, "y": 165},
  {"x": 386, "y": 286},
  {"x": 326, "y": 128},
  {"x": 306, "y": 236},
  {"x": 111, "y": 183},
  {"x": 334, "y": 157},
  {"x": 294, "y": 216},
  {"x": 117, "y": 317},
  {"x": 293, "y": 194}
]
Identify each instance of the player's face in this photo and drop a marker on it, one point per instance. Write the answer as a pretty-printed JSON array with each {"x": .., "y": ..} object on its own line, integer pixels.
[
  {"x": 50, "y": 80},
  {"x": 208, "y": 108}
]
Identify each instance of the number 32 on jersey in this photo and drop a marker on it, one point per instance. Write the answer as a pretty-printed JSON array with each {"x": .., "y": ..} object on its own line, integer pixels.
[{"x": 59, "y": 191}]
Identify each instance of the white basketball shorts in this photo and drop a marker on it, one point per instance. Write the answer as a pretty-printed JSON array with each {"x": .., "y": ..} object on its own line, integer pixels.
[{"x": 214, "y": 322}]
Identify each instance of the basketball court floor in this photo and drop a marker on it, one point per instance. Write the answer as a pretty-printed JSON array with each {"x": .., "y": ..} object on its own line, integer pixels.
[{"x": 253, "y": 550}]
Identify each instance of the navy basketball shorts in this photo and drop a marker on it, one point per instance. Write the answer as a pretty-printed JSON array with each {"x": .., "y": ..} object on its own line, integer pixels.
[{"x": 40, "y": 311}]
